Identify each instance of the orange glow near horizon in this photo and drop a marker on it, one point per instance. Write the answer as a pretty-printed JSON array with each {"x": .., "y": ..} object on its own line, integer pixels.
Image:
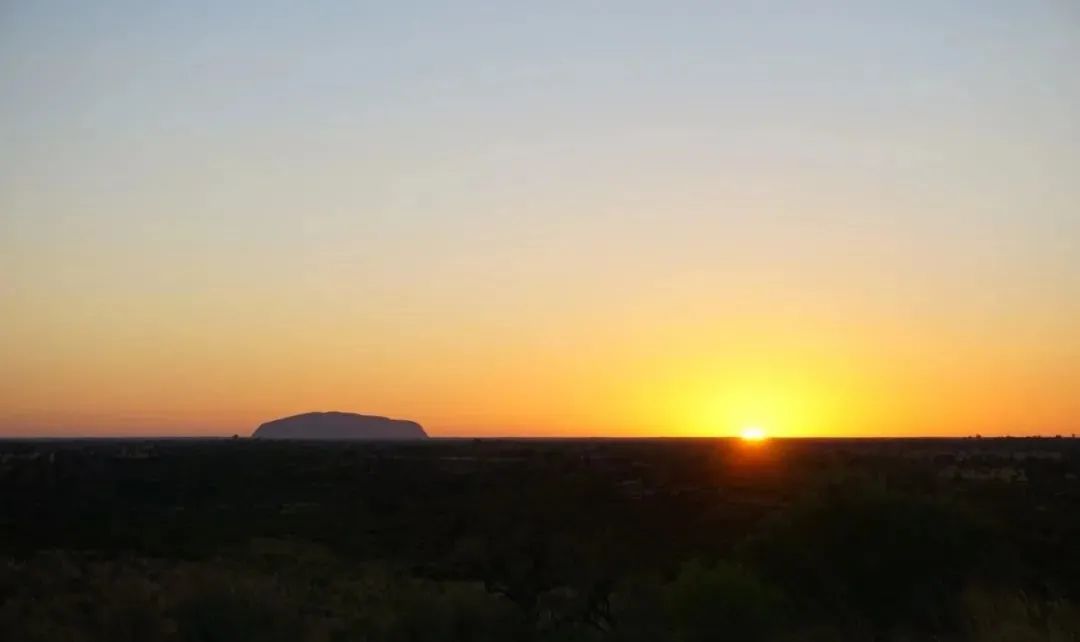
[
  {"x": 617, "y": 390},
  {"x": 171, "y": 369}
]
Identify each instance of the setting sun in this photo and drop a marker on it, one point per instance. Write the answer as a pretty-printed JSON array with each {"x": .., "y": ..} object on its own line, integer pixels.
[{"x": 752, "y": 433}]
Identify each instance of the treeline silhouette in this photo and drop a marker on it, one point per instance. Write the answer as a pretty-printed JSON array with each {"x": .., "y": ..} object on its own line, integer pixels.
[{"x": 540, "y": 540}]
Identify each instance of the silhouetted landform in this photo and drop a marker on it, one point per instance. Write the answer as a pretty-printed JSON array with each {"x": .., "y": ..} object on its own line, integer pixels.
[{"x": 340, "y": 426}]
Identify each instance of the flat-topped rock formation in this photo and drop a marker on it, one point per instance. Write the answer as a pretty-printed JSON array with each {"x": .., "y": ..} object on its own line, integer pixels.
[{"x": 340, "y": 426}]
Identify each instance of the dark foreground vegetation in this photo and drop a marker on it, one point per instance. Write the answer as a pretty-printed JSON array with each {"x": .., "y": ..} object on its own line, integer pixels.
[{"x": 239, "y": 540}]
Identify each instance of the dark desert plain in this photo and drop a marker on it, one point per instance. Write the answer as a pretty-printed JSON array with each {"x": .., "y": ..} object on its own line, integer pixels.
[
  {"x": 561, "y": 321},
  {"x": 540, "y": 539}
]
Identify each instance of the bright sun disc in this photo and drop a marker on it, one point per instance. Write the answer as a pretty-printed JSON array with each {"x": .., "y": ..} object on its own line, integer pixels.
[{"x": 752, "y": 433}]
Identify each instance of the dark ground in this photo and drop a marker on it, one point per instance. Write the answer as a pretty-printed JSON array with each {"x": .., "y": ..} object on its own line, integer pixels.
[{"x": 143, "y": 540}]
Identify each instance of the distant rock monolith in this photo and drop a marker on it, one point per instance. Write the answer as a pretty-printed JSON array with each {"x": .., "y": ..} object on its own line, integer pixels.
[{"x": 340, "y": 426}]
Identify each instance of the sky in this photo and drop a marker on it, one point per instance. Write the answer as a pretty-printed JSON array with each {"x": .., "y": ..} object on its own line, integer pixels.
[{"x": 546, "y": 219}]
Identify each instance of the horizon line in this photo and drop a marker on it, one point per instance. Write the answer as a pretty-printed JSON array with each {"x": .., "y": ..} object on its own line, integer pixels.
[{"x": 54, "y": 437}]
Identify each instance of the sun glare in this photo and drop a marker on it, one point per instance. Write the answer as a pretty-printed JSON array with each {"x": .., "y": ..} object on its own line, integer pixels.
[{"x": 752, "y": 433}]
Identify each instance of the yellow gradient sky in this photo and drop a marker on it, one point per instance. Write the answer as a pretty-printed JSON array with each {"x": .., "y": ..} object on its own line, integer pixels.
[{"x": 851, "y": 218}]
